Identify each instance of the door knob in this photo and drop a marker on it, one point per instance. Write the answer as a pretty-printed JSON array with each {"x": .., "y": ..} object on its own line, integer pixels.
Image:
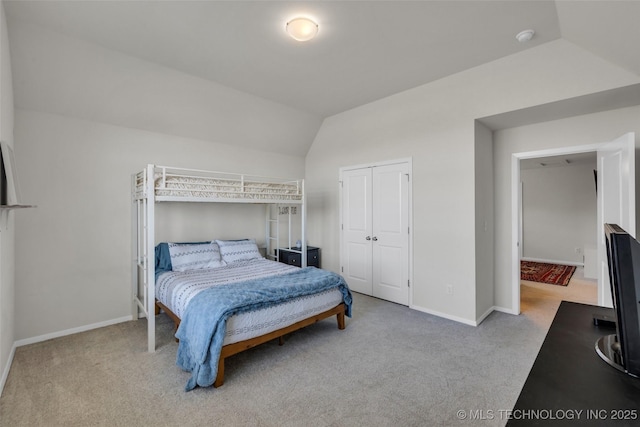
[
  {"x": 375, "y": 239},
  {"x": 368, "y": 238}
]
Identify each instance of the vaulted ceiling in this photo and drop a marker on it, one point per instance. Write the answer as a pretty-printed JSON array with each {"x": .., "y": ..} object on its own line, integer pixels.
[{"x": 365, "y": 50}]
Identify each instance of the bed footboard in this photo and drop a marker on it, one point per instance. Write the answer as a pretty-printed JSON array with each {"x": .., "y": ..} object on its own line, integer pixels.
[{"x": 235, "y": 348}]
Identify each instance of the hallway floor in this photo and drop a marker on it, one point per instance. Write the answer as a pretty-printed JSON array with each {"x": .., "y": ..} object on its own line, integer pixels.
[{"x": 538, "y": 298}]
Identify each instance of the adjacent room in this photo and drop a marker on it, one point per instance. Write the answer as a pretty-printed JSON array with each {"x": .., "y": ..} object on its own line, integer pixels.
[
  {"x": 400, "y": 134},
  {"x": 559, "y": 226}
]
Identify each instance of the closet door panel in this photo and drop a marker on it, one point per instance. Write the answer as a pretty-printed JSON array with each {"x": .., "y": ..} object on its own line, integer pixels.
[
  {"x": 358, "y": 256},
  {"x": 391, "y": 274},
  {"x": 356, "y": 224},
  {"x": 390, "y": 249}
]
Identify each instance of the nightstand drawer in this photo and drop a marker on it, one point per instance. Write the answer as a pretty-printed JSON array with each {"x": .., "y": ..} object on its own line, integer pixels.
[{"x": 294, "y": 256}]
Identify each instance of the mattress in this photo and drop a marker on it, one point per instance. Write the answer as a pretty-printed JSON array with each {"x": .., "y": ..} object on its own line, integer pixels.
[{"x": 176, "y": 289}]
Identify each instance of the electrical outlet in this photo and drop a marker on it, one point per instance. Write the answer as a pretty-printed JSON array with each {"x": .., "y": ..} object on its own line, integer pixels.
[{"x": 449, "y": 289}]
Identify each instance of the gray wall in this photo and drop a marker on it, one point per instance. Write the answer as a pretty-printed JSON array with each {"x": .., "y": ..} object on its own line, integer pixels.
[
  {"x": 80, "y": 234},
  {"x": 435, "y": 125},
  {"x": 484, "y": 220},
  {"x": 7, "y": 241},
  {"x": 77, "y": 148},
  {"x": 559, "y": 212},
  {"x": 86, "y": 119}
]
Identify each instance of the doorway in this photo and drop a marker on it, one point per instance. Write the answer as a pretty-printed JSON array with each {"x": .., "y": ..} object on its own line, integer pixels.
[
  {"x": 558, "y": 231},
  {"x": 615, "y": 202}
]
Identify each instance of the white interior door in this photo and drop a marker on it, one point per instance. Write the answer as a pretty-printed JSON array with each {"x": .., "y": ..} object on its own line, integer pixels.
[
  {"x": 616, "y": 200},
  {"x": 390, "y": 236},
  {"x": 356, "y": 229}
]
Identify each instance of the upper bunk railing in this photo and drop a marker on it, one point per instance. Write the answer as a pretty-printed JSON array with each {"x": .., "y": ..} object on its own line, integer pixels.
[{"x": 195, "y": 185}]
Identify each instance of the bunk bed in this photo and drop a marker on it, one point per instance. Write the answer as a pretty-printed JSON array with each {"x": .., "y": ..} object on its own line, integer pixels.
[{"x": 288, "y": 298}]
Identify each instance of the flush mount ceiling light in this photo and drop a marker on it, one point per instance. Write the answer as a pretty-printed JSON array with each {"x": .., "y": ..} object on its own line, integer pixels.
[
  {"x": 302, "y": 29},
  {"x": 525, "y": 36}
]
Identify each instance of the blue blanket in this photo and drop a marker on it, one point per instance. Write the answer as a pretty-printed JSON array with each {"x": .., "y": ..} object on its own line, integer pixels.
[{"x": 203, "y": 327}]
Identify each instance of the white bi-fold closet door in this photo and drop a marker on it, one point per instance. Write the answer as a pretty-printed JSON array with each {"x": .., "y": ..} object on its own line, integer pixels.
[{"x": 375, "y": 231}]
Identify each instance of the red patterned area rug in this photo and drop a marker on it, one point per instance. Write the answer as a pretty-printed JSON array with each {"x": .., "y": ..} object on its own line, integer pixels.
[{"x": 541, "y": 272}]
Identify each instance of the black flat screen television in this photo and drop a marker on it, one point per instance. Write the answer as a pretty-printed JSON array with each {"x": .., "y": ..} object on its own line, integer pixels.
[{"x": 622, "y": 350}]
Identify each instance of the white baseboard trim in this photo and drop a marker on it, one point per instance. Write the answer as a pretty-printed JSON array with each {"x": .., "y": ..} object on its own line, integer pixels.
[
  {"x": 444, "y": 315},
  {"x": 71, "y": 331},
  {"x": 5, "y": 372},
  {"x": 484, "y": 316},
  {"x": 491, "y": 310},
  {"x": 552, "y": 261},
  {"x": 505, "y": 310}
]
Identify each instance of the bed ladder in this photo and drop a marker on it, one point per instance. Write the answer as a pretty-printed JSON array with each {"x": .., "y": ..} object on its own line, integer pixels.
[
  {"x": 143, "y": 269},
  {"x": 272, "y": 237},
  {"x": 273, "y": 242}
]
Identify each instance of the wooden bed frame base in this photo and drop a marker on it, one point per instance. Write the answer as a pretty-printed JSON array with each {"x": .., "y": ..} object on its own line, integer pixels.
[{"x": 235, "y": 348}]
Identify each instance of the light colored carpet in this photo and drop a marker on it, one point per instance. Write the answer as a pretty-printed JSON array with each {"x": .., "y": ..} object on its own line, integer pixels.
[{"x": 391, "y": 366}]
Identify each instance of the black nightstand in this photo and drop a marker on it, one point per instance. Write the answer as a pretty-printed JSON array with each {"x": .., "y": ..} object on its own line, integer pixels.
[{"x": 293, "y": 256}]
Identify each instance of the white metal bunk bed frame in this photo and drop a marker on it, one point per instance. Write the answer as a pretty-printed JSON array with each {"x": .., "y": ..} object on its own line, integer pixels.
[{"x": 144, "y": 198}]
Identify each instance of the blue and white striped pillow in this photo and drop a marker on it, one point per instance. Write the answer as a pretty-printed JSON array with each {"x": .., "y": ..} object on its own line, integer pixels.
[
  {"x": 187, "y": 256},
  {"x": 238, "y": 250}
]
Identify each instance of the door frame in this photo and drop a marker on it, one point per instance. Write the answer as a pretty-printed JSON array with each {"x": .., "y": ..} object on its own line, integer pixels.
[
  {"x": 409, "y": 162},
  {"x": 621, "y": 147},
  {"x": 516, "y": 209}
]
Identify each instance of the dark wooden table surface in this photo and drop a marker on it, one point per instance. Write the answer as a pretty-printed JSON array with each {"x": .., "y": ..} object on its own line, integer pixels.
[{"x": 569, "y": 384}]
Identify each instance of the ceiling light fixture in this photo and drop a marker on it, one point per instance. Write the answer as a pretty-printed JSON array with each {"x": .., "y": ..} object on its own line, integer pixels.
[
  {"x": 302, "y": 29},
  {"x": 525, "y": 36}
]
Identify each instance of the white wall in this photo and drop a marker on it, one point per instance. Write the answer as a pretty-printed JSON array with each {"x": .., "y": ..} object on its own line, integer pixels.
[
  {"x": 7, "y": 241},
  {"x": 70, "y": 77},
  {"x": 575, "y": 131},
  {"x": 79, "y": 237},
  {"x": 434, "y": 124},
  {"x": 559, "y": 212},
  {"x": 73, "y": 256},
  {"x": 86, "y": 119},
  {"x": 484, "y": 220}
]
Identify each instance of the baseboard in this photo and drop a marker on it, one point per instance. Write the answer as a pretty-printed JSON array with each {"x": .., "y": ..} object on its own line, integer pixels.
[
  {"x": 491, "y": 310},
  {"x": 484, "y": 316},
  {"x": 504, "y": 310},
  {"x": 5, "y": 372},
  {"x": 444, "y": 315},
  {"x": 72, "y": 331},
  {"x": 552, "y": 261}
]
